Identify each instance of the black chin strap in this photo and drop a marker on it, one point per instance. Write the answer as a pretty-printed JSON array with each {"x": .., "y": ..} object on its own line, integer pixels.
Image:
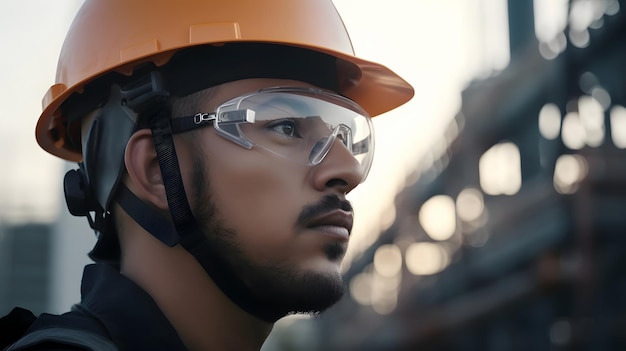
[{"x": 184, "y": 229}]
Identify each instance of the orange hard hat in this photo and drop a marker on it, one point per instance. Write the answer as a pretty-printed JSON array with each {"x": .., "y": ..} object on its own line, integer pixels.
[{"x": 119, "y": 35}]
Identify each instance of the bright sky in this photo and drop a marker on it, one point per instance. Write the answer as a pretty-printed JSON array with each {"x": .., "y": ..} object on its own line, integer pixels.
[
  {"x": 426, "y": 41},
  {"x": 31, "y": 32}
]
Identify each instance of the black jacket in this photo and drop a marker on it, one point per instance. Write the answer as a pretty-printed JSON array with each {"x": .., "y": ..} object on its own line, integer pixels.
[{"x": 113, "y": 311}]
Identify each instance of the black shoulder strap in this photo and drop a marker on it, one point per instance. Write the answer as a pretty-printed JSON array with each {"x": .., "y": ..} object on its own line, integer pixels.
[{"x": 64, "y": 336}]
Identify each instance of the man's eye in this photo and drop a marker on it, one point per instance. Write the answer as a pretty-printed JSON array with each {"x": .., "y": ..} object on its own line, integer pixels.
[{"x": 286, "y": 127}]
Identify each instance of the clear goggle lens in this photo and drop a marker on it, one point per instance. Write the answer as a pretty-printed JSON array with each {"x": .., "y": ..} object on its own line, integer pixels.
[{"x": 299, "y": 124}]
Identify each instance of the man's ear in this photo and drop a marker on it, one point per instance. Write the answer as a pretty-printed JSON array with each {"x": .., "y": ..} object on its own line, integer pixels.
[{"x": 143, "y": 169}]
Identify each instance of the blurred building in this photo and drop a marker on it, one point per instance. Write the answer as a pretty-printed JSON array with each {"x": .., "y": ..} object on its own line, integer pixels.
[
  {"x": 41, "y": 262},
  {"x": 24, "y": 266},
  {"x": 513, "y": 236}
]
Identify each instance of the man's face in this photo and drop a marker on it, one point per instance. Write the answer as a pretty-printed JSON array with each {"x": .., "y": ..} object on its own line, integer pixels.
[{"x": 281, "y": 226}]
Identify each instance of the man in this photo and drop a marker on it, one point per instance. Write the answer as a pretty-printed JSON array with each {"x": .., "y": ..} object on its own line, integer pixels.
[{"x": 217, "y": 140}]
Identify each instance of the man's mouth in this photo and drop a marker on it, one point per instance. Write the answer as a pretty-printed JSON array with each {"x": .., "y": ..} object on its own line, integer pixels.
[{"x": 336, "y": 223}]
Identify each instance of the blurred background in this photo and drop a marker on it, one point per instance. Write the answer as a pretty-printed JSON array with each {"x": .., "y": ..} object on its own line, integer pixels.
[{"x": 494, "y": 217}]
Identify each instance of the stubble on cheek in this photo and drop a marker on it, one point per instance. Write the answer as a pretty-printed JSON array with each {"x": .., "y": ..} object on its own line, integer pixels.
[{"x": 274, "y": 271}]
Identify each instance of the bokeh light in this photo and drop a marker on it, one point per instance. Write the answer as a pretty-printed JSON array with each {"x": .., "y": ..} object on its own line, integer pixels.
[
  {"x": 592, "y": 119},
  {"x": 470, "y": 204},
  {"x": 550, "y": 121},
  {"x": 425, "y": 258},
  {"x": 438, "y": 217},
  {"x": 568, "y": 172},
  {"x": 500, "y": 169},
  {"x": 573, "y": 131},
  {"x": 618, "y": 126},
  {"x": 388, "y": 260}
]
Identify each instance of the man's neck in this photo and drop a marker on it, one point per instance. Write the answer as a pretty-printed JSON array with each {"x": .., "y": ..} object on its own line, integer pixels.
[{"x": 203, "y": 316}]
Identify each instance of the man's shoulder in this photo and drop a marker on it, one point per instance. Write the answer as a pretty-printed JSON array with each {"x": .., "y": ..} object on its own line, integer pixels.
[{"x": 71, "y": 331}]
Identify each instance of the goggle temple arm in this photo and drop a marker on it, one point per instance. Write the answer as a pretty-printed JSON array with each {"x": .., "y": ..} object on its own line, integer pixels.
[{"x": 227, "y": 125}]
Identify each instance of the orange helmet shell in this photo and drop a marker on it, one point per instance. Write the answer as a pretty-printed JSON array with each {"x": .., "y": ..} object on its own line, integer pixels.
[{"x": 118, "y": 35}]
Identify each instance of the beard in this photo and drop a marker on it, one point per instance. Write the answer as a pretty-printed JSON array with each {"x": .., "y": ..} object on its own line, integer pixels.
[{"x": 278, "y": 289}]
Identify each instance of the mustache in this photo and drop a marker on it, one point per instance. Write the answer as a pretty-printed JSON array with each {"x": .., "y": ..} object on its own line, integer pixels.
[{"x": 327, "y": 204}]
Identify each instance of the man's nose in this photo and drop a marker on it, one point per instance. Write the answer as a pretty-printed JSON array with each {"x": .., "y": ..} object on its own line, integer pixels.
[{"x": 339, "y": 169}]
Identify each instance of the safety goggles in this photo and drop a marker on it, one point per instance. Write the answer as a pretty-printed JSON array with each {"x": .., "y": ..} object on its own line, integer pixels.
[{"x": 298, "y": 124}]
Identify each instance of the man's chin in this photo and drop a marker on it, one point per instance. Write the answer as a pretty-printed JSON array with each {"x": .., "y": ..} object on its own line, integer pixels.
[{"x": 314, "y": 292}]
